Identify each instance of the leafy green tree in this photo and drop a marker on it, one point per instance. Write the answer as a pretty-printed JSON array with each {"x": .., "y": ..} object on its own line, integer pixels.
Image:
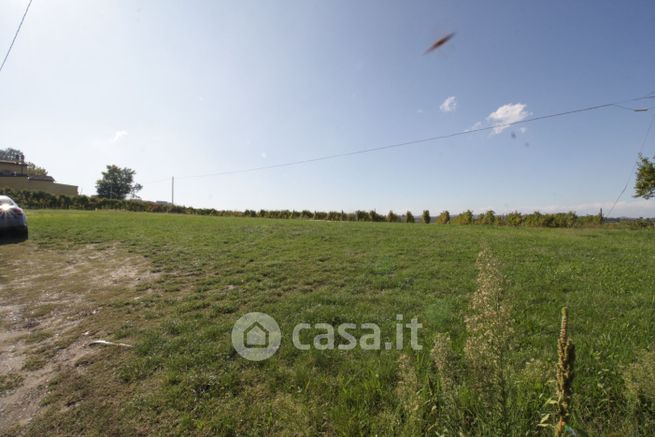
[
  {"x": 465, "y": 218},
  {"x": 117, "y": 183},
  {"x": 488, "y": 218},
  {"x": 10, "y": 154},
  {"x": 362, "y": 216},
  {"x": 426, "y": 217},
  {"x": 35, "y": 170},
  {"x": 409, "y": 217},
  {"x": 392, "y": 217},
  {"x": 645, "y": 183},
  {"x": 375, "y": 217},
  {"x": 444, "y": 218},
  {"x": 514, "y": 218}
]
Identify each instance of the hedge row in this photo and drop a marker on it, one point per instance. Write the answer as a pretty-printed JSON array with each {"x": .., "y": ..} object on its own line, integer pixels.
[{"x": 42, "y": 200}]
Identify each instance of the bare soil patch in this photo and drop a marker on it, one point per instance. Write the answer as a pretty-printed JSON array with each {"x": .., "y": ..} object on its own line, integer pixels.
[{"x": 51, "y": 308}]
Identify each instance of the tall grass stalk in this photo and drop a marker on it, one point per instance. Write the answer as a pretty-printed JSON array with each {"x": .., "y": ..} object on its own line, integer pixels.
[
  {"x": 489, "y": 336},
  {"x": 565, "y": 374}
]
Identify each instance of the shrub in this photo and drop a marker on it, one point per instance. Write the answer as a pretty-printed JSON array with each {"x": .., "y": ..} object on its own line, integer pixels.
[
  {"x": 641, "y": 223},
  {"x": 565, "y": 220}
]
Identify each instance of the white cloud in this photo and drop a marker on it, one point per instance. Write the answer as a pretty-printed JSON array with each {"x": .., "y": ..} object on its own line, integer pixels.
[
  {"x": 118, "y": 135},
  {"x": 506, "y": 114},
  {"x": 449, "y": 105},
  {"x": 477, "y": 125},
  {"x": 263, "y": 155},
  {"x": 109, "y": 141}
]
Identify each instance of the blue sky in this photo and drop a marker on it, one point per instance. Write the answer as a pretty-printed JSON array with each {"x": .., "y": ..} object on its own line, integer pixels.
[{"x": 197, "y": 87}]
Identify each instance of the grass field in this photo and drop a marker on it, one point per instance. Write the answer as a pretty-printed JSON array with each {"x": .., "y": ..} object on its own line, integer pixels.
[{"x": 188, "y": 279}]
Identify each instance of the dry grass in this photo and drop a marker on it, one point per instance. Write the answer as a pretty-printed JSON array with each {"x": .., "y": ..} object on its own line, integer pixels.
[
  {"x": 489, "y": 331},
  {"x": 408, "y": 392},
  {"x": 53, "y": 304}
]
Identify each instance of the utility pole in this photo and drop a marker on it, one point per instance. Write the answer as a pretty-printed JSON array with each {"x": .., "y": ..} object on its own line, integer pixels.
[{"x": 173, "y": 190}]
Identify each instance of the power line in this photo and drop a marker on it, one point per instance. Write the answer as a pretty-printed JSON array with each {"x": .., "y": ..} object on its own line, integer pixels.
[
  {"x": 4, "y": 61},
  {"x": 634, "y": 167},
  {"x": 413, "y": 142},
  {"x": 628, "y": 108}
]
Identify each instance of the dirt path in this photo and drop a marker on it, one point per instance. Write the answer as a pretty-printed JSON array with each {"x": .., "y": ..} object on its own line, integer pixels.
[{"x": 51, "y": 307}]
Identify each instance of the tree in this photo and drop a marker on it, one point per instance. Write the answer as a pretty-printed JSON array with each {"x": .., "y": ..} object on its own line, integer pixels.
[
  {"x": 645, "y": 183},
  {"x": 444, "y": 218},
  {"x": 409, "y": 218},
  {"x": 35, "y": 170},
  {"x": 375, "y": 217},
  {"x": 16, "y": 155},
  {"x": 392, "y": 217},
  {"x": 488, "y": 218},
  {"x": 426, "y": 217},
  {"x": 117, "y": 183},
  {"x": 362, "y": 216},
  {"x": 10, "y": 154},
  {"x": 514, "y": 218},
  {"x": 465, "y": 218}
]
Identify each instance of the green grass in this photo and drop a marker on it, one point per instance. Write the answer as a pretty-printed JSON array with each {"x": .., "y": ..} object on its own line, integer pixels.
[{"x": 183, "y": 375}]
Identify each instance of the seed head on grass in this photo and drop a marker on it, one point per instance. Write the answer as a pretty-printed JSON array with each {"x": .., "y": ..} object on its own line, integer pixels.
[
  {"x": 442, "y": 358},
  {"x": 489, "y": 326},
  {"x": 446, "y": 410},
  {"x": 565, "y": 365},
  {"x": 407, "y": 391},
  {"x": 488, "y": 344}
]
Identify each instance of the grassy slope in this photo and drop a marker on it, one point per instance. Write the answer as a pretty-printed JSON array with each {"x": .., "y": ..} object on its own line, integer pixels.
[{"x": 184, "y": 374}]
